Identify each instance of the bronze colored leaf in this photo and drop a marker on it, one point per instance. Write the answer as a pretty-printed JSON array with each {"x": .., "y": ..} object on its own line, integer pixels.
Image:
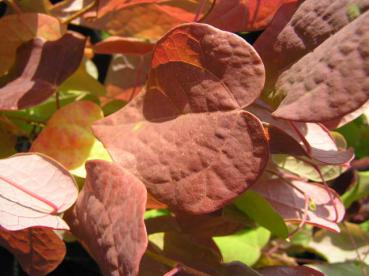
[
  {"x": 40, "y": 67},
  {"x": 19, "y": 28},
  {"x": 108, "y": 218},
  {"x": 243, "y": 15},
  {"x": 186, "y": 138},
  {"x": 123, "y": 45},
  {"x": 38, "y": 250}
]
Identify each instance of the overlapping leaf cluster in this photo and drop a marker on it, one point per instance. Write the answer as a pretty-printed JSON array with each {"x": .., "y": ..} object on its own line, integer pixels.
[{"x": 200, "y": 154}]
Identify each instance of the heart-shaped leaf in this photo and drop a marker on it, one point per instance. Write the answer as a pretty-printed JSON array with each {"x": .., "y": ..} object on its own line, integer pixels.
[
  {"x": 296, "y": 200},
  {"x": 186, "y": 138},
  {"x": 38, "y": 250},
  {"x": 32, "y": 80},
  {"x": 19, "y": 28},
  {"x": 34, "y": 189},
  {"x": 108, "y": 218}
]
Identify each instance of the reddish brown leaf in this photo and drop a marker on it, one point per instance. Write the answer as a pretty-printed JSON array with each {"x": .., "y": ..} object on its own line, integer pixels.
[
  {"x": 147, "y": 19},
  {"x": 123, "y": 45},
  {"x": 243, "y": 15},
  {"x": 288, "y": 39},
  {"x": 330, "y": 82},
  {"x": 191, "y": 158},
  {"x": 293, "y": 199},
  {"x": 127, "y": 75},
  {"x": 38, "y": 250},
  {"x": 17, "y": 29},
  {"x": 289, "y": 271},
  {"x": 40, "y": 67},
  {"x": 108, "y": 218}
]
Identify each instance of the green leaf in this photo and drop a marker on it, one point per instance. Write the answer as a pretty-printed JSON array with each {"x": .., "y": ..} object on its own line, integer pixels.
[
  {"x": 365, "y": 226},
  {"x": 358, "y": 191},
  {"x": 341, "y": 269},
  {"x": 244, "y": 246},
  {"x": 154, "y": 213},
  {"x": 260, "y": 210},
  {"x": 306, "y": 170},
  {"x": 344, "y": 246},
  {"x": 84, "y": 80},
  {"x": 357, "y": 136}
]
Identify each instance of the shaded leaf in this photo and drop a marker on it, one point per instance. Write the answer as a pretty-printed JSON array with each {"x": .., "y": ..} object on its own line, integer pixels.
[
  {"x": 8, "y": 137},
  {"x": 260, "y": 210},
  {"x": 291, "y": 198},
  {"x": 32, "y": 80},
  {"x": 68, "y": 139},
  {"x": 314, "y": 139},
  {"x": 123, "y": 45},
  {"x": 17, "y": 29},
  {"x": 108, "y": 218},
  {"x": 307, "y": 168},
  {"x": 344, "y": 246},
  {"x": 358, "y": 191},
  {"x": 34, "y": 189},
  {"x": 241, "y": 15},
  {"x": 341, "y": 269},
  {"x": 38, "y": 250},
  {"x": 337, "y": 77},
  {"x": 220, "y": 223},
  {"x": 190, "y": 157},
  {"x": 290, "y": 271},
  {"x": 244, "y": 246},
  {"x": 127, "y": 75},
  {"x": 83, "y": 81}
]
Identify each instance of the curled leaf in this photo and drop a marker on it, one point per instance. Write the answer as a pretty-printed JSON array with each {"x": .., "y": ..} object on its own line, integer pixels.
[
  {"x": 297, "y": 201},
  {"x": 34, "y": 189}
]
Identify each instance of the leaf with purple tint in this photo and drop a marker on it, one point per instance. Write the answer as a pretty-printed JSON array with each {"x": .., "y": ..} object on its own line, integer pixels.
[{"x": 40, "y": 67}]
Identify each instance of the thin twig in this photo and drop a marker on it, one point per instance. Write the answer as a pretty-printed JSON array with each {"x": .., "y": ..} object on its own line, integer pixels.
[
  {"x": 57, "y": 99},
  {"x": 13, "y": 5},
  {"x": 79, "y": 13}
]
